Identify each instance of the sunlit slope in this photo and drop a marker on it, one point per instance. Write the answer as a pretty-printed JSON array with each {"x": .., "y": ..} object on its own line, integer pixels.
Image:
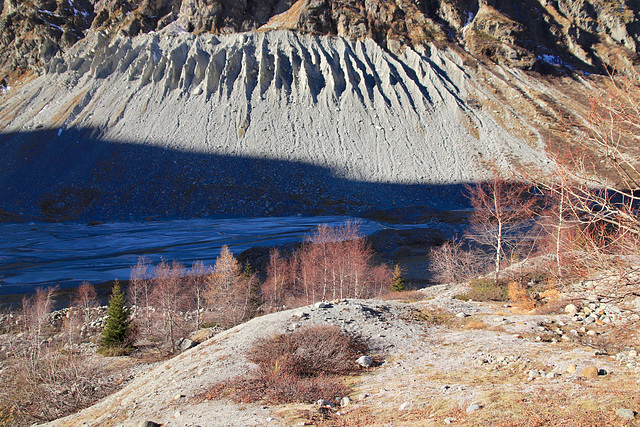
[{"x": 346, "y": 107}]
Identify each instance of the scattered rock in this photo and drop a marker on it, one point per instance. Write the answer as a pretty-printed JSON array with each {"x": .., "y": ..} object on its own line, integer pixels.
[
  {"x": 449, "y": 420},
  {"x": 345, "y": 401},
  {"x": 589, "y": 372},
  {"x": 462, "y": 314},
  {"x": 185, "y": 344},
  {"x": 473, "y": 407},
  {"x": 570, "y": 309},
  {"x": 322, "y": 305},
  {"x": 149, "y": 424},
  {"x": 405, "y": 406},
  {"x": 365, "y": 361},
  {"x": 325, "y": 403},
  {"x": 571, "y": 368},
  {"x": 626, "y": 413}
]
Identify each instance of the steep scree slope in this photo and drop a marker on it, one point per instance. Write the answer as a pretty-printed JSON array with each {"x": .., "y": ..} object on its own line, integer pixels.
[{"x": 255, "y": 123}]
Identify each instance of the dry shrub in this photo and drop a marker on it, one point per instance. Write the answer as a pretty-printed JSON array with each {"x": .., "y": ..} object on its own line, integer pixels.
[
  {"x": 308, "y": 352},
  {"x": 486, "y": 290},
  {"x": 403, "y": 296},
  {"x": 551, "y": 294},
  {"x": 452, "y": 262},
  {"x": 280, "y": 387},
  {"x": 555, "y": 306},
  {"x": 552, "y": 301},
  {"x": 475, "y": 324},
  {"x": 52, "y": 385},
  {"x": 300, "y": 367},
  {"x": 432, "y": 316},
  {"x": 520, "y": 297}
]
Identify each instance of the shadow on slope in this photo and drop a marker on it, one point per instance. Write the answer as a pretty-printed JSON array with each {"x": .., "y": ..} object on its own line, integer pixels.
[{"x": 76, "y": 175}]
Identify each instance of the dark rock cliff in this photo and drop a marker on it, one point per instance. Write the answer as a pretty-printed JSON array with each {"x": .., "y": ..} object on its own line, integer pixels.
[{"x": 543, "y": 35}]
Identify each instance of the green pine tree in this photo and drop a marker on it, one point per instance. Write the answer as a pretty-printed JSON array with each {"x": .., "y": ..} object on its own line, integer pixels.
[
  {"x": 397, "y": 283},
  {"x": 116, "y": 336}
]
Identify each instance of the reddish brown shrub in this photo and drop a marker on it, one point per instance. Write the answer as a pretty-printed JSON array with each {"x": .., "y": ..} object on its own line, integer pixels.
[
  {"x": 308, "y": 352},
  {"x": 300, "y": 367}
]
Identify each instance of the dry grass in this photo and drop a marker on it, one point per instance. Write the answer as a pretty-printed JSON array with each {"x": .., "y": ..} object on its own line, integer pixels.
[
  {"x": 547, "y": 407},
  {"x": 486, "y": 290},
  {"x": 432, "y": 316},
  {"x": 475, "y": 324},
  {"x": 301, "y": 367},
  {"x": 403, "y": 296},
  {"x": 591, "y": 404}
]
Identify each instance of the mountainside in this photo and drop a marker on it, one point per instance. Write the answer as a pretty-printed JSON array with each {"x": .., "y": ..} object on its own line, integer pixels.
[
  {"x": 531, "y": 34},
  {"x": 187, "y": 125},
  {"x": 155, "y": 108}
]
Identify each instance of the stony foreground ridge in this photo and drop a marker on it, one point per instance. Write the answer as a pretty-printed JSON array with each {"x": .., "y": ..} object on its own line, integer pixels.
[
  {"x": 219, "y": 121},
  {"x": 482, "y": 366}
]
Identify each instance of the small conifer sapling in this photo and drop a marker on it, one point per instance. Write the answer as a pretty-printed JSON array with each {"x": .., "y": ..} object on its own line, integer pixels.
[
  {"x": 397, "y": 282},
  {"x": 117, "y": 333}
]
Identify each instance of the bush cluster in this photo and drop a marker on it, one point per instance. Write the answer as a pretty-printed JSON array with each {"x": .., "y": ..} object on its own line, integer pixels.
[{"x": 300, "y": 367}]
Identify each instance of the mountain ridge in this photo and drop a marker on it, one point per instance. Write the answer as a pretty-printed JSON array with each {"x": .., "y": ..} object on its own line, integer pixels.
[{"x": 546, "y": 36}]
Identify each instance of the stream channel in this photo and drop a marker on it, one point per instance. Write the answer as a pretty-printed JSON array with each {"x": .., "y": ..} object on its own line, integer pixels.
[{"x": 66, "y": 254}]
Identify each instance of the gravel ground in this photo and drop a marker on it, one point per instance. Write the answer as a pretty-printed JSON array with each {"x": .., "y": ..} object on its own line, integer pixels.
[{"x": 481, "y": 350}]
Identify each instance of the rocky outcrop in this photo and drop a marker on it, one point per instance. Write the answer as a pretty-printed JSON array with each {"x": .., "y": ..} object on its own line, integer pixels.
[{"x": 542, "y": 35}]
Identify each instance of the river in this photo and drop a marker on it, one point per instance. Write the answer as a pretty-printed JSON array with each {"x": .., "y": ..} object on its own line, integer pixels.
[{"x": 66, "y": 254}]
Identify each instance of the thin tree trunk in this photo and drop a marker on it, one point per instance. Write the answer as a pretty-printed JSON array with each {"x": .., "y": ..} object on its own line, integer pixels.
[
  {"x": 498, "y": 251},
  {"x": 558, "y": 234}
]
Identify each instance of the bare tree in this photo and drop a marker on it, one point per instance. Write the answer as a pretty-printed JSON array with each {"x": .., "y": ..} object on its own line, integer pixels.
[
  {"x": 169, "y": 298},
  {"x": 273, "y": 289},
  {"x": 35, "y": 311},
  {"x": 322, "y": 239},
  {"x": 249, "y": 288},
  {"x": 500, "y": 207},
  {"x": 196, "y": 284},
  {"x": 85, "y": 299},
  {"x": 453, "y": 262},
  {"x": 598, "y": 184},
  {"x": 139, "y": 290},
  {"x": 308, "y": 273},
  {"x": 335, "y": 262}
]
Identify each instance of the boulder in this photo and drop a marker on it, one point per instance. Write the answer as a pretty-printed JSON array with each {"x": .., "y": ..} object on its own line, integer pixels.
[
  {"x": 473, "y": 407},
  {"x": 185, "y": 344},
  {"x": 590, "y": 372},
  {"x": 365, "y": 361},
  {"x": 570, "y": 309},
  {"x": 626, "y": 413}
]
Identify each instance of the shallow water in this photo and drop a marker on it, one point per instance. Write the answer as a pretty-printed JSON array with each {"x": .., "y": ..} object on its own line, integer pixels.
[{"x": 65, "y": 254}]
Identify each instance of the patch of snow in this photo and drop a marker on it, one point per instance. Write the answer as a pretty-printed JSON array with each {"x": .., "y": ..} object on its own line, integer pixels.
[
  {"x": 470, "y": 17},
  {"x": 550, "y": 59}
]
